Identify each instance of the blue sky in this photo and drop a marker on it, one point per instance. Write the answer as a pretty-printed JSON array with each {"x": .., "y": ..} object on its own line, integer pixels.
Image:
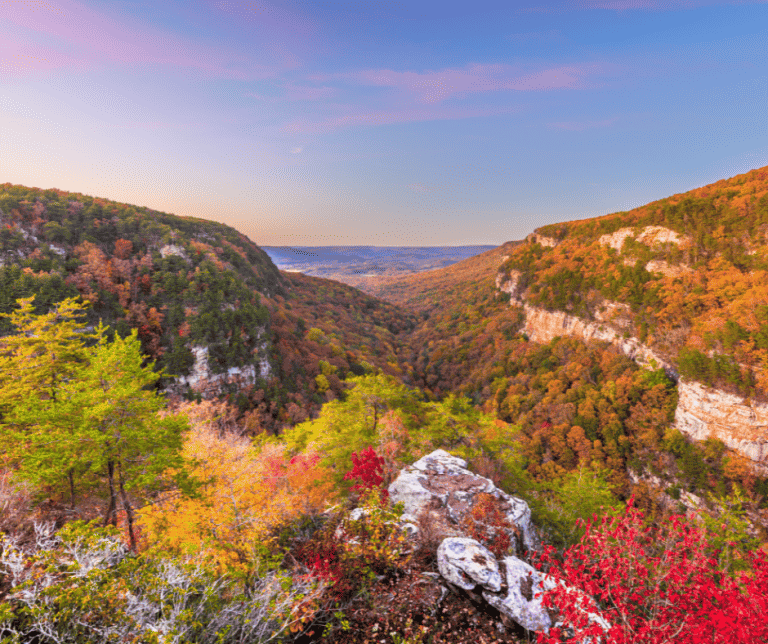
[{"x": 321, "y": 122}]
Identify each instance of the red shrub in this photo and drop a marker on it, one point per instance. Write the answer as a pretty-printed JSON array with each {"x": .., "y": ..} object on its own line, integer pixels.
[
  {"x": 656, "y": 584},
  {"x": 367, "y": 470}
]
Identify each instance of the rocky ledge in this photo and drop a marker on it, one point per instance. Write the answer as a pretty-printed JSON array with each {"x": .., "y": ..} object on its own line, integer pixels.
[{"x": 438, "y": 493}]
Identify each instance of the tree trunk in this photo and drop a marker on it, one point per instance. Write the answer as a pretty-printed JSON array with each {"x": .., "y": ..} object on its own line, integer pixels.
[
  {"x": 71, "y": 475},
  {"x": 127, "y": 507},
  {"x": 111, "y": 515}
]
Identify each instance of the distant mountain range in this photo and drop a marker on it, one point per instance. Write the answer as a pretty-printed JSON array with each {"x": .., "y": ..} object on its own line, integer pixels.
[{"x": 356, "y": 265}]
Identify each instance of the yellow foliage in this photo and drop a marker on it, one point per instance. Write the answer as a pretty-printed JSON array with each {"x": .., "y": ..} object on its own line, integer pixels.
[{"x": 247, "y": 492}]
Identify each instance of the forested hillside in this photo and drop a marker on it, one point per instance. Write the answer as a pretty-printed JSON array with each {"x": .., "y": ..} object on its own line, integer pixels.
[
  {"x": 209, "y": 305},
  {"x": 230, "y": 431},
  {"x": 689, "y": 273}
]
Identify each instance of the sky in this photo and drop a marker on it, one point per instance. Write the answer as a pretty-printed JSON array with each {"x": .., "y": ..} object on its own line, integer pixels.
[{"x": 380, "y": 122}]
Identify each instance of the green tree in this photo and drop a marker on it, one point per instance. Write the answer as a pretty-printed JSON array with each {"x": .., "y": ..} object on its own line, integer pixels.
[
  {"x": 36, "y": 362},
  {"x": 71, "y": 410},
  {"x": 128, "y": 445}
]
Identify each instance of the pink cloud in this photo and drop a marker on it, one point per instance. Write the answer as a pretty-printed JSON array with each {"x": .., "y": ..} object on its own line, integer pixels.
[
  {"x": 434, "y": 87},
  {"x": 658, "y": 5},
  {"x": 86, "y": 38},
  {"x": 387, "y": 118},
  {"x": 580, "y": 126},
  {"x": 293, "y": 92},
  {"x": 19, "y": 58}
]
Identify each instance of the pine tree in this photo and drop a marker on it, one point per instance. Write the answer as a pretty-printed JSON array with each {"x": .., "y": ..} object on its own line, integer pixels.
[{"x": 72, "y": 412}]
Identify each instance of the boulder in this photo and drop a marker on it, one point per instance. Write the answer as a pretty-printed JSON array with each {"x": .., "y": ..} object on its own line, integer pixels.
[
  {"x": 441, "y": 487},
  {"x": 523, "y": 600},
  {"x": 467, "y": 564}
]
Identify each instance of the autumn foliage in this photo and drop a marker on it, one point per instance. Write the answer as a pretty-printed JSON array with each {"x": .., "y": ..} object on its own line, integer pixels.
[
  {"x": 367, "y": 469},
  {"x": 654, "y": 584},
  {"x": 247, "y": 493}
]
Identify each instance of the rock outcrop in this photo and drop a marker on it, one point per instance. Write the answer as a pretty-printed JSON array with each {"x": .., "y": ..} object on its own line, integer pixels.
[
  {"x": 536, "y": 238},
  {"x": 543, "y": 326},
  {"x": 523, "y": 600},
  {"x": 650, "y": 236},
  {"x": 742, "y": 425},
  {"x": 467, "y": 564},
  {"x": 667, "y": 269},
  {"x": 202, "y": 380},
  {"x": 440, "y": 489}
]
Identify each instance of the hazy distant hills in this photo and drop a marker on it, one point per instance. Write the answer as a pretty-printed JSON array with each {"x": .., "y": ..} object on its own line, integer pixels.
[{"x": 359, "y": 265}]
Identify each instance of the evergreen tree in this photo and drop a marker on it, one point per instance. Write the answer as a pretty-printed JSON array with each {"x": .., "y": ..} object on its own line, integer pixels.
[{"x": 72, "y": 411}]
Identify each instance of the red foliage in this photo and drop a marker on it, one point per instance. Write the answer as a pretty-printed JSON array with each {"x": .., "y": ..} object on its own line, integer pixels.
[
  {"x": 367, "y": 470},
  {"x": 656, "y": 584},
  {"x": 323, "y": 558},
  {"x": 485, "y": 522}
]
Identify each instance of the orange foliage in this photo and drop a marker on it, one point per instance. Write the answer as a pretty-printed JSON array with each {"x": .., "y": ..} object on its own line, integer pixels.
[{"x": 247, "y": 493}]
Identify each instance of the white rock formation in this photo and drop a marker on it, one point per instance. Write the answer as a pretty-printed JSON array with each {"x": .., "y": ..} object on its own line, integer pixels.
[
  {"x": 203, "y": 381},
  {"x": 543, "y": 326},
  {"x": 665, "y": 268},
  {"x": 653, "y": 235},
  {"x": 536, "y": 238},
  {"x": 616, "y": 240},
  {"x": 742, "y": 425},
  {"x": 173, "y": 249},
  {"x": 521, "y": 603},
  {"x": 440, "y": 485},
  {"x": 510, "y": 283},
  {"x": 467, "y": 564},
  {"x": 650, "y": 236}
]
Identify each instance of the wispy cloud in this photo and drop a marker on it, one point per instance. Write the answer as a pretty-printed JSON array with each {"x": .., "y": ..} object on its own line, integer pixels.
[
  {"x": 20, "y": 57},
  {"x": 293, "y": 92},
  {"x": 377, "y": 118},
  {"x": 79, "y": 37},
  {"x": 579, "y": 126},
  {"x": 658, "y": 5},
  {"x": 436, "y": 86}
]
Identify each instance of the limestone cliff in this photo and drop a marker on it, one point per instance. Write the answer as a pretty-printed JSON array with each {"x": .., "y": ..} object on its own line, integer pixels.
[
  {"x": 542, "y": 326},
  {"x": 742, "y": 425},
  {"x": 202, "y": 380},
  {"x": 701, "y": 413}
]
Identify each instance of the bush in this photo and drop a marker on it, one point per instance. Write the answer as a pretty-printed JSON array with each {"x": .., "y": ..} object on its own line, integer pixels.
[
  {"x": 656, "y": 583},
  {"x": 82, "y": 585}
]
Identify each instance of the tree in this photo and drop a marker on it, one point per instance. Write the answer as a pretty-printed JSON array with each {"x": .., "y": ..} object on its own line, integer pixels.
[
  {"x": 71, "y": 410},
  {"x": 35, "y": 363},
  {"x": 124, "y": 438}
]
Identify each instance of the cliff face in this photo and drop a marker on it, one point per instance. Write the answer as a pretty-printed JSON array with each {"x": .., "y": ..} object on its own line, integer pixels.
[
  {"x": 542, "y": 326},
  {"x": 742, "y": 425},
  {"x": 701, "y": 413},
  {"x": 202, "y": 380}
]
